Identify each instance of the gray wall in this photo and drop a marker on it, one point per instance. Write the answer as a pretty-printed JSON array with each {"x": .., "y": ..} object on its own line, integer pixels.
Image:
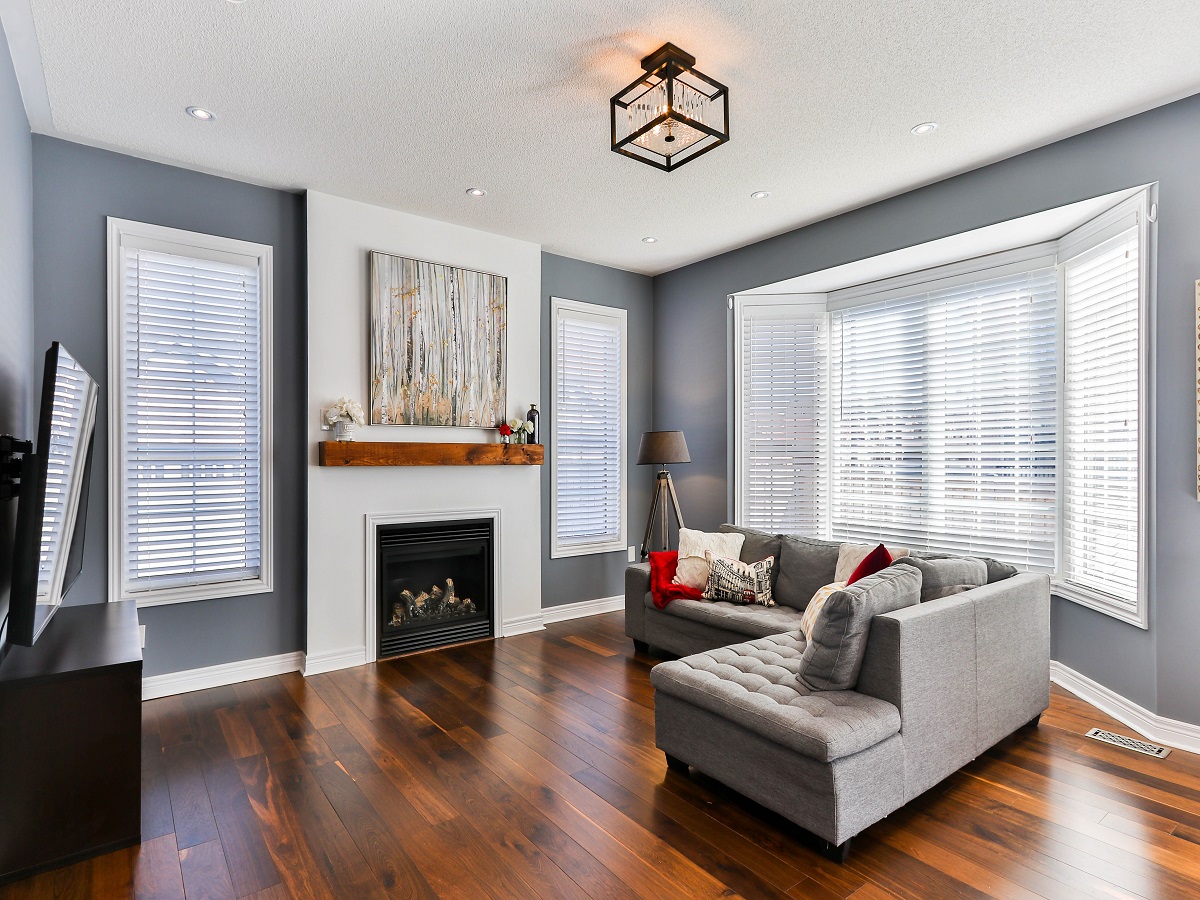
[
  {"x": 599, "y": 575},
  {"x": 16, "y": 288},
  {"x": 1159, "y": 669},
  {"x": 74, "y": 189}
]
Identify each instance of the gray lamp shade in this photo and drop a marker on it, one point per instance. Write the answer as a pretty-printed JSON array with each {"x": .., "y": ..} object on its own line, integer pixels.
[{"x": 663, "y": 448}]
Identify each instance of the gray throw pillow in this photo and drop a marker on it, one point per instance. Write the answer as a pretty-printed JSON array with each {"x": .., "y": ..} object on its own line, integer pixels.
[
  {"x": 758, "y": 544},
  {"x": 834, "y": 654},
  {"x": 996, "y": 570},
  {"x": 805, "y": 564},
  {"x": 944, "y": 577}
]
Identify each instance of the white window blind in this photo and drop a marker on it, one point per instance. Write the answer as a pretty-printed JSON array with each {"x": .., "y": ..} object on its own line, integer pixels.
[
  {"x": 588, "y": 424},
  {"x": 781, "y": 386},
  {"x": 192, "y": 421},
  {"x": 1100, "y": 485},
  {"x": 944, "y": 413}
]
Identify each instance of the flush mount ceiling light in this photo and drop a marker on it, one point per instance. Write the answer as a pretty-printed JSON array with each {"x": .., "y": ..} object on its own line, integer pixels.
[
  {"x": 924, "y": 128},
  {"x": 203, "y": 115},
  {"x": 670, "y": 115},
  {"x": 760, "y": 195},
  {"x": 649, "y": 240},
  {"x": 476, "y": 192}
]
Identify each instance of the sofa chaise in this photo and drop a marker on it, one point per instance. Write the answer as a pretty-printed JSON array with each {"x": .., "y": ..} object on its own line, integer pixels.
[{"x": 940, "y": 682}]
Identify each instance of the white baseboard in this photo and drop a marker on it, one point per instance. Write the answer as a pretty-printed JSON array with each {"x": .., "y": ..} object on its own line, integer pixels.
[
  {"x": 521, "y": 625},
  {"x": 1153, "y": 727},
  {"x": 189, "y": 680},
  {"x": 319, "y": 663},
  {"x": 582, "y": 609}
]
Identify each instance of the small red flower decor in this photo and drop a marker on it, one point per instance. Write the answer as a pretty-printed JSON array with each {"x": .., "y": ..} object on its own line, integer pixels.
[{"x": 505, "y": 432}]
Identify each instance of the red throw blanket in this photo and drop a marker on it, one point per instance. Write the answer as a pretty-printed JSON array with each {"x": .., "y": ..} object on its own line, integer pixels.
[{"x": 662, "y": 589}]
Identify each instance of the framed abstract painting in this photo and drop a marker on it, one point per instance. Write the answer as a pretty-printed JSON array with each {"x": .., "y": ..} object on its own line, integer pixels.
[{"x": 437, "y": 344}]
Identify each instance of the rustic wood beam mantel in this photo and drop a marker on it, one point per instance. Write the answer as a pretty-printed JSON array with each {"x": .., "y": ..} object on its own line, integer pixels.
[{"x": 422, "y": 453}]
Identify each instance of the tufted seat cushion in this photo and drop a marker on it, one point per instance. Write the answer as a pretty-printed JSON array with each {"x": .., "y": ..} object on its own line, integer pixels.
[
  {"x": 750, "y": 619},
  {"x": 755, "y": 685}
]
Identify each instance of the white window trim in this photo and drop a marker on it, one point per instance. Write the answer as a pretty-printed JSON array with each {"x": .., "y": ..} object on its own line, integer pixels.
[
  {"x": 621, "y": 316},
  {"x": 125, "y": 233},
  {"x": 1082, "y": 239},
  {"x": 742, "y": 303}
]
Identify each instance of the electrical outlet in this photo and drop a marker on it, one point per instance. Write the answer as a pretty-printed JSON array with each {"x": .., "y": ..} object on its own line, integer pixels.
[
  {"x": 142, "y": 631},
  {"x": 633, "y": 554}
]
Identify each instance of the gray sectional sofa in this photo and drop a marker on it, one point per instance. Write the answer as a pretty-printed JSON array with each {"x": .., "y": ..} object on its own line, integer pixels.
[{"x": 940, "y": 682}]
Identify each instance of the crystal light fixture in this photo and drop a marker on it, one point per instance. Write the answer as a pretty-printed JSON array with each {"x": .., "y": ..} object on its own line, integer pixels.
[{"x": 670, "y": 115}]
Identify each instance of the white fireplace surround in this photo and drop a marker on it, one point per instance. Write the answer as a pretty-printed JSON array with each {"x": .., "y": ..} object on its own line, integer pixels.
[{"x": 371, "y": 594}]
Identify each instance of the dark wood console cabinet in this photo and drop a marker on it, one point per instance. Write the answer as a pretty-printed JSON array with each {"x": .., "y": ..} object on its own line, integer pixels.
[{"x": 70, "y": 740}]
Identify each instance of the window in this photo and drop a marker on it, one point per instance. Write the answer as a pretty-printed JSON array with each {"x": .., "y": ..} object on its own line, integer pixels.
[
  {"x": 589, "y": 432},
  {"x": 780, "y": 386},
  {"x": 189, "y": 403},
  {"x": 994, "y": 407},
  {"x": 1102, "y": 432},
  {"x": 944, "y": 419}
]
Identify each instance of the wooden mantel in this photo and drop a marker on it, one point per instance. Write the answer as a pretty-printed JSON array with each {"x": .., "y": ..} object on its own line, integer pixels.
[{"x": 422, "y": 453}]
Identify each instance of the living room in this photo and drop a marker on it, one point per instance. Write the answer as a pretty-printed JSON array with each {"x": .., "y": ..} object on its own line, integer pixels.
[{"x": 454, "y": 505}]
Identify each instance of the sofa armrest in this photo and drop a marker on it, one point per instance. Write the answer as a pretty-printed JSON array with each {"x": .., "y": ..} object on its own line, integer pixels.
[
  {"x": 964, "y": 672},
  {"x": 637, "y": 585}
]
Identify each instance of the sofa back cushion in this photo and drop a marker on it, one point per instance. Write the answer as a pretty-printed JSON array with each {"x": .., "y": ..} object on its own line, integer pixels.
[
  {"x": 946, "y": 577},
  {"x": 805, "y": 566},
  {"x": 834, "y": 654},
  {"x": 757, "y": 546},
  {"x": 996, "y": 570}
]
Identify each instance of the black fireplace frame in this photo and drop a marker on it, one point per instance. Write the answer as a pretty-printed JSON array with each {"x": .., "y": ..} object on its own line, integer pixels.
[{"x": 392, "y": 641}]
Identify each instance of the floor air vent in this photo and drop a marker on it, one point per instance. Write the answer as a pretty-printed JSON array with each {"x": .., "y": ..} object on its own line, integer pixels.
[{"x": 1119, "y": 740}]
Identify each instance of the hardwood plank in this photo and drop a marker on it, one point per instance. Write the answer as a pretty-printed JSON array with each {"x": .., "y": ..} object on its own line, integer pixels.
[
  {"x": 205, "y": 873},
  {"x": 156, "y": 872},
  {"x": 190, "y": 808},
  {"x": 157, "y": 818},
  {"x": 239, "y": 734},
  {"x": 251, "y": 867}
]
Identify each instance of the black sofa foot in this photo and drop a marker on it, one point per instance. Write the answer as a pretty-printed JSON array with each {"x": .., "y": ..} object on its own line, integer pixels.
[
  {"x": 833, "y": 852},
  {"x": 1033, "y": 723},
  {"x": 641, "y": 646},
  {"x": 675, "y": 764}
]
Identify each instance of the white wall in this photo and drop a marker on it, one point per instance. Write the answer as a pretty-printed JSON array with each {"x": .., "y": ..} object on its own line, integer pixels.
[{"x": 340, "y": 234}]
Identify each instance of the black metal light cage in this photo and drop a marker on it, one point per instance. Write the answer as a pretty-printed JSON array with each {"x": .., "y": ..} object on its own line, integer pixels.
[{"x": 674, "y": 68}]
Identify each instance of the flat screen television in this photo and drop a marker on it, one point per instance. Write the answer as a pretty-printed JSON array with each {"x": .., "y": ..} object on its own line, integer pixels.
[{"x": 52, "y": 510}]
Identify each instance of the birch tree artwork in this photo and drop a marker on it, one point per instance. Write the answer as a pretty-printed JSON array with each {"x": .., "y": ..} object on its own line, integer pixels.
[{"x": 437, "y": 344}]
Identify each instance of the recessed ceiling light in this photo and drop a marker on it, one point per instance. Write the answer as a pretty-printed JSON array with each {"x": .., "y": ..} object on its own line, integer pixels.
[
  {"x": 476, "y": 192},
  {"x": 924, "y": 128},
  {"x": 760, "y": 195},
  {"x": 649, "y": 240},
  {"x": 198, "y": 113}
]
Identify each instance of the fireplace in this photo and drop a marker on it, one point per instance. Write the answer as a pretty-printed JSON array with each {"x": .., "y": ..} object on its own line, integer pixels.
[{"x": 434, "y": 584}]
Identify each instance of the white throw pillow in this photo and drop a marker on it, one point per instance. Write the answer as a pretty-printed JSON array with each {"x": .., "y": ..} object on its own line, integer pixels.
[
  {"x": 815, "y": 605},
  {"x": 850, "y": 555},
  {"x": 693, "y": 567}
]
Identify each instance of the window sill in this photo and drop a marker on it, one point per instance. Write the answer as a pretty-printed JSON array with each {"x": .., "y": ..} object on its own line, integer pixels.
[
  {"x": 168, "y": 596},
  {"x": 587, "y": 550},
  {"x": 1100, "y": 602}
]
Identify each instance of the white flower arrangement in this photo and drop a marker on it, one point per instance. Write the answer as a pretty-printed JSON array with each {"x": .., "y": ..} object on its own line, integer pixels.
[
  {"x": 346, "y": 410},
  {"x": 528, "y": 426},
  {"x": 515, "y": 424}
]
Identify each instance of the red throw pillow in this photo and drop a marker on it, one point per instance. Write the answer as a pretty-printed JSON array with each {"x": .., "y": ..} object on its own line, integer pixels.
[
  {"x": 875, "y": 561},
  {"x": 662, "y": 570}
]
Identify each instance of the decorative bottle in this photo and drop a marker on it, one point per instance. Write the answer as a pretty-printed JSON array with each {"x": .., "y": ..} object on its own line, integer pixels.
[{"x": 532, "y": 416}]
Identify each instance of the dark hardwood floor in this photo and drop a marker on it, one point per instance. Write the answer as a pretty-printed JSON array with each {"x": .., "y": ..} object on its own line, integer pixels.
[{"x": 526, "y": 768}]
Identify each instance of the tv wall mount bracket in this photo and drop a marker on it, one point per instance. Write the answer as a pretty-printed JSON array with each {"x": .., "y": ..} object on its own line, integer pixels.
[{"x": 12, "y": 463}]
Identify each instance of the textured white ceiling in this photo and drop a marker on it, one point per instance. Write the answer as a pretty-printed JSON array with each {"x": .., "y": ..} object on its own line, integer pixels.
[{"x": 407, "y": 104}]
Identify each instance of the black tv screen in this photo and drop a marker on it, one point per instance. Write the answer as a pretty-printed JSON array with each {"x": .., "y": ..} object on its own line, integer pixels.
[{"x": 53, "y": 495}]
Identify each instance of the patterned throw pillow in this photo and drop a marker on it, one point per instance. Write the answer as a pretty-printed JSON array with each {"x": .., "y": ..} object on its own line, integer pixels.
[
  {"x": 809, "y": 619},
  {"x": 739, "y": 582}
]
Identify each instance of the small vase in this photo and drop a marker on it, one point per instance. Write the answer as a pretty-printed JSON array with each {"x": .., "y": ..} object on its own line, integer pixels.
[
  {"x": 343, "y": 431},
  {"x": 521, "y": 437},
  {"x": 506, "y": 438}
]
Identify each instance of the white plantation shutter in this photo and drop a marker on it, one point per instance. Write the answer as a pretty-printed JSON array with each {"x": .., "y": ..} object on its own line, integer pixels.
[
  {"x": 192, "y": 417},
  {"x": 1101, "y": 427},
  {"x": 781, "y": 375},
  {"x": 588, "y": 422},
  {"x": 944, "y": 418}
]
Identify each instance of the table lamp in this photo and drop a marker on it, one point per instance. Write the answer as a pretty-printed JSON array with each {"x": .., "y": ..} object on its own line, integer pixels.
[{"x": 662, "y": 448}]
